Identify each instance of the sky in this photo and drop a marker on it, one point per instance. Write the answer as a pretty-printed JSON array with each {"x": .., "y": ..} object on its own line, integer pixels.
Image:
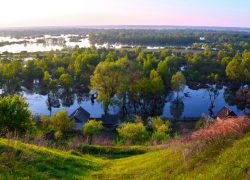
[{"x": 27, "y": 13}]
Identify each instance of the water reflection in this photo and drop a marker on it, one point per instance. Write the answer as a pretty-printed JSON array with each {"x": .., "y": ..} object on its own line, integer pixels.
[
  {"x": 177, "y": 107},
  {"x": 191, "y": 103},
  {"x": 213, "y": 93},
  {"x": 41, "y": 44},
  {"x": 202, "y": 101}
]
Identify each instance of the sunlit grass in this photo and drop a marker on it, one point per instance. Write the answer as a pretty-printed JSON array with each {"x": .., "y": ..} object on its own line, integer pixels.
[
  {"x": 227, "y": 158},
  {"x": 24, "y": 160}
]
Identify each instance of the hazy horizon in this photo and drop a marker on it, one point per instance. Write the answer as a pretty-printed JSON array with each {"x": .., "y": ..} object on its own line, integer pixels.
[{"x": 193, "y": 13}]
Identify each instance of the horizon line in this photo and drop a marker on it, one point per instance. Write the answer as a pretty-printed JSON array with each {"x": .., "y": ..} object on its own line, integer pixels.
[{"x": 122, "y": 25}]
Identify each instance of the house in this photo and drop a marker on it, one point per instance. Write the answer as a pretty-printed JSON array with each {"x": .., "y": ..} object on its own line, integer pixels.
[
  {"x": 225, "y": 113},
  {"x": 110, "y": 121},
  {"x": 80, "y": 116}
]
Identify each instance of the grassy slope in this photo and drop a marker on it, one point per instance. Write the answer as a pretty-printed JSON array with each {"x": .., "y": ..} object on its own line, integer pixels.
[
  {"x": 30, "y": 161},
  {"x": 217, "y": 161}
]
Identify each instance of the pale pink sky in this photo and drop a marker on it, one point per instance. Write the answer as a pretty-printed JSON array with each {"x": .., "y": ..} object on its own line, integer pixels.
[{"x": 15, "y": 13}]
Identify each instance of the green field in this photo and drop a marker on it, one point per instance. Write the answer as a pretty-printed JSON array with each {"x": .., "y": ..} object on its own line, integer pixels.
[{"x": 225, "y": 159}]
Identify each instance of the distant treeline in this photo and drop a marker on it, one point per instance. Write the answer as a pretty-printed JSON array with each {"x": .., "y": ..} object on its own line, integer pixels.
[
  {"x": 143, "y": 37},
  {"x": 167, "y": 37}
]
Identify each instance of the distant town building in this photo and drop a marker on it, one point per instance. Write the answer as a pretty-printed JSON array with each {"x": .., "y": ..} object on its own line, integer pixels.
[{"x": 202, "y": 38}]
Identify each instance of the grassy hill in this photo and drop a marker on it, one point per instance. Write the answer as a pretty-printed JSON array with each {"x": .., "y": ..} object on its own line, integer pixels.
[
  {"x": 227, "y": 157},
  {"x": 34, "y": 162}
]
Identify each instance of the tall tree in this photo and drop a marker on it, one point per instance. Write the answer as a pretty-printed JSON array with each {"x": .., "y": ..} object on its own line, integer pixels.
[
  {"x": 109, "y": 78},
  {"x": 178, "y": 82}
]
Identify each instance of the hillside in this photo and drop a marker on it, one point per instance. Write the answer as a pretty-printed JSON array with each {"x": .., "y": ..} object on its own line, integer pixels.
[
  {"x": 227, "y": 158},
  {"x": 34, "y": 162}
]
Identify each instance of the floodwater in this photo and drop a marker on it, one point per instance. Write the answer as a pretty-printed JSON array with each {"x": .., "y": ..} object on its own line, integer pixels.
[
  {"x": 195, "y": 103},
  {"x": 33, "y": 45}
]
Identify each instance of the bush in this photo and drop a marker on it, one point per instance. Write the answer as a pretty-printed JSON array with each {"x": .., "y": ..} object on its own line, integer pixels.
[
  {"x": 135, "y": 133},
  {"x": 15, "y": 115},
  {"x": 59, "y": 122},
  {"x": 221, "y": 129},
  {"x": 199, "y": 124},
  {"x": 92, "y": 128},
  {"x": 159, "y": 125},
  {"x": 161, "y": 129},
  {"x": 159, "y": 136}
]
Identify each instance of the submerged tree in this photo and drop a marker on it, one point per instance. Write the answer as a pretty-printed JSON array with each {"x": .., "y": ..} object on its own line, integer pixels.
[
  {"x": 109, "y": 78},
  {"x": 178, "y": 82}
]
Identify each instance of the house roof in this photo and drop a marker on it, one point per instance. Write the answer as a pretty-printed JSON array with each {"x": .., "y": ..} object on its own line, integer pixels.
[
  {"x": 225, "y": 112},
  {"x": 80, "y": 115},
  {"x": 110, "y": 119}
]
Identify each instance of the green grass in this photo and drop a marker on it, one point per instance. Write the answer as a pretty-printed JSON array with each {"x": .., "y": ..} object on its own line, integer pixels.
[
  {"x": 19, "y": 160},
  {"x": 112, "y": 152},
  {"x": 225, "y": 159}
]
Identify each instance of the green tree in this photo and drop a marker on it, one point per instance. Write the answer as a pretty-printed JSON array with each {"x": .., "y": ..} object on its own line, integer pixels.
[
  {"x": 164, "y": 53},
  {"x": 66, "y": 80},
  {"x": 15, "y": 115},
  {"x": 135, "y": 133},
  {"x": 234, "y": 70},
  {"x": 109, "y": 78},
  {"x": 92, "y": 128},
  {"x": 59, "y": 122},
  {"x": 225, "y": 61},
  {"x": 59, "y": 71},
  {"x": 163, "y": 71},
  {"x": 46, "y": 77},
  {"x": 32, "y": 71},
  {"x": 178, "y": 82},
  {"x": 157, "y": 86}
]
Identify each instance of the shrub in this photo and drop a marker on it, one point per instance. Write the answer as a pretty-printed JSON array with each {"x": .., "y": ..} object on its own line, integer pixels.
[
  {"x": 161, "y": 129},
  {"x": 135, "y": 133},
  {"x": 222, "y": 128},
  {"x": 199, "y": 124},
  {"x": 159, "y": 136},
  {"x": 15, "y": 115},
  {"x": 159, "y": 125},
  {"x": 58, "y": 134},
  {"x": 59, "y": 122},
  {"x": 92, "y": 128}
]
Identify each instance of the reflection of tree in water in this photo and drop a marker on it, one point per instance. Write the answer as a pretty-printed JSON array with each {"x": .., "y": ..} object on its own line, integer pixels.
[
  {"x": 230, "y": 99},
  {"x": 67, "y": 98},
  {"x": 153, "y": 107},
  {"x": 213, "y": 93},
  {"x": 80, "y": 97},
  {"x": 147, "y": 106},
  {"x": 52, "y": 101},
  {"x": 177, "y": 107}
]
